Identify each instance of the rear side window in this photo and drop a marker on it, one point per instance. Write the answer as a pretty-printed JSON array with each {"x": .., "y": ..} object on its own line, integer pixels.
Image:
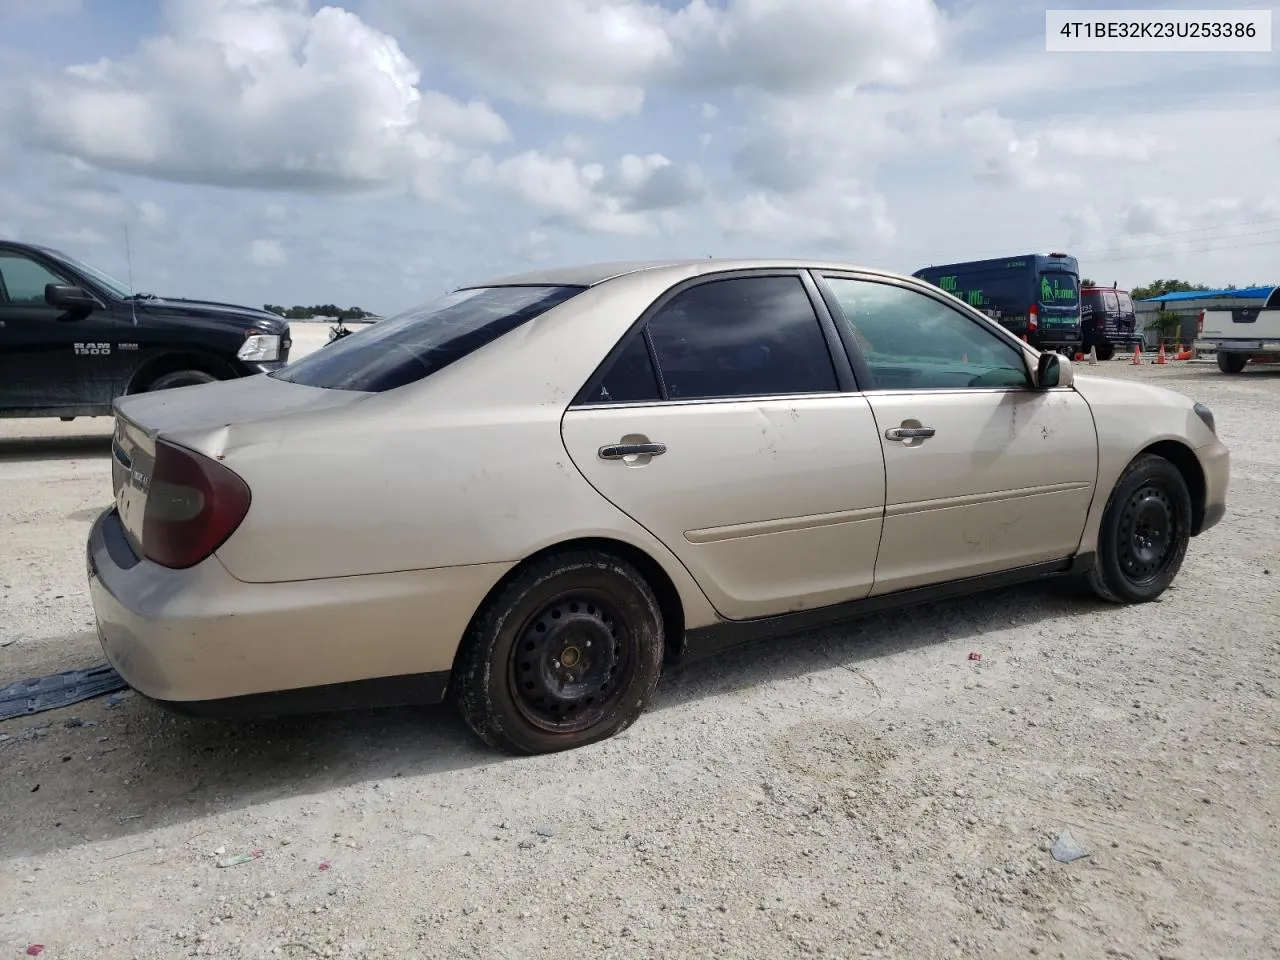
[
  {"x": 631, "y": 377},
  {"x": 417, "y": 343},
  {"x": 743, "y": 337}
]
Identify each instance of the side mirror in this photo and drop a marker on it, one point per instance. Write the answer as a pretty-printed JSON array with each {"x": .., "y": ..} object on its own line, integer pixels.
[
  {"x": 68, "y": 297},
  {"x": 1053, "y": 370}
]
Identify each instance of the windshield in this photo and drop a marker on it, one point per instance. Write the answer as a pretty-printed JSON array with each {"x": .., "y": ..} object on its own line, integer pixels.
[
  {"x": 110, "y": 283},
  {"x": 1059, "y": 290},
  {"x": 417, "y": 343}
]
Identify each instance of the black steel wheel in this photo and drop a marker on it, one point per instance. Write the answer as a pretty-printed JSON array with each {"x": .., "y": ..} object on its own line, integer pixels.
[
  {"x": 1145, "y": 530},
  {"x": 567, "y": 653}
]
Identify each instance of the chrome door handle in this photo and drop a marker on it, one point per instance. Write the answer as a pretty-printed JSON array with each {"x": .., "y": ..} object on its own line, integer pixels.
[
  {"x": 909, "y": 433},
  {"x": 618, "y": 451}
]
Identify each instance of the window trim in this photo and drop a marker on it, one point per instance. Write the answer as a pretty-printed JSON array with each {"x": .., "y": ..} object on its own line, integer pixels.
[
  {"x": 846, "y": 380},
  {"x": 972, "y": 314}
]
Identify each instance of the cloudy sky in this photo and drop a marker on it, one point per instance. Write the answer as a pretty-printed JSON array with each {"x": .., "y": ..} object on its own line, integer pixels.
[{"x": 380, "y": 152}]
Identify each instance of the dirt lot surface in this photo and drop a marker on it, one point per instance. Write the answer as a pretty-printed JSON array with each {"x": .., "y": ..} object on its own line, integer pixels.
[{"x": 863, "y": 791}]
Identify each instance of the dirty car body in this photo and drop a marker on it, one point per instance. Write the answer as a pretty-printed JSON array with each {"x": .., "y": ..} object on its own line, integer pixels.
[{"x": 529, "y": 495}]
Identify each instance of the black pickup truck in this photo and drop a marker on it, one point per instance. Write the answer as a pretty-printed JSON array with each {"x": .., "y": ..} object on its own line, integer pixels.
[{"x": 72, "y": 339}]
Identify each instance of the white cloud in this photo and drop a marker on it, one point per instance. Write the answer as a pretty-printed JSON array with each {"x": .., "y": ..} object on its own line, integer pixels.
[
  {"x": 261, "y": 93},
  {"x": 598, "y": 58},
  {"x": 267, "y": 253},
  {"x": 628, "y": 198}
]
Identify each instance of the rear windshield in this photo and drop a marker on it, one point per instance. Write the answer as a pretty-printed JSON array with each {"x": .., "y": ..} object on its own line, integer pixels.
[
  {"x": 418, "y": 342},
  {"x": 1126, "y": 303},
  {"x": 1059, "y": 290}
]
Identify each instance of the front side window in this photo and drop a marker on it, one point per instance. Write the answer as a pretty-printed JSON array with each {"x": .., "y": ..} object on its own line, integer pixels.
[
  {"x": 741, "y": 337},
  {"x": 913, "y": 342},
  {"x": 418, "y": 342},
  {"x": 1059, "y": 290},
  {"x": 24, "y": 280}
]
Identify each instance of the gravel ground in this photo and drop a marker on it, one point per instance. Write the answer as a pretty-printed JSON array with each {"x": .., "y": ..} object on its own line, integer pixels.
[{"x": 862, "y": 791}]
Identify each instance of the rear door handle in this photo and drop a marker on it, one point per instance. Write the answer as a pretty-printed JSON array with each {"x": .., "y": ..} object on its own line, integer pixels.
[
  {"x": 909, "y": 433},
  {"x": 618, "y": 451}
]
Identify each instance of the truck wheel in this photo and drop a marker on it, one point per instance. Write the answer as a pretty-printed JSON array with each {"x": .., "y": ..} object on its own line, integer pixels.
[
  {"x": 1105, "y": 351},
  {"x": 180, "y": 378},
  {"x": 1232, "y": 362}
]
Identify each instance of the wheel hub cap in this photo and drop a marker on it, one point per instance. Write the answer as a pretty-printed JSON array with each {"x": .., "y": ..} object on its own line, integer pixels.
[
  {"x": 1147, "y": 534},
  {"x": 567, "y": 664}
]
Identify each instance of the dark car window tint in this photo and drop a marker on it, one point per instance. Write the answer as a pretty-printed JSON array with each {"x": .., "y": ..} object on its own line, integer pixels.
[
  {"x": 630, "y": 379},
  {"x": 914, "y": 342},
  {"x": 24, "y": 279},
  {"x": 417, "y": 343},
  {"x": 750, "y": 336}
]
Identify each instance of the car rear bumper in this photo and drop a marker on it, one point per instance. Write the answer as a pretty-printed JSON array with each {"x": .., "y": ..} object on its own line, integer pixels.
[
  {"x": 1239, "y": 346},
  {"x": 202, "y": 639},
  {"x": 1215, "y": 460}
]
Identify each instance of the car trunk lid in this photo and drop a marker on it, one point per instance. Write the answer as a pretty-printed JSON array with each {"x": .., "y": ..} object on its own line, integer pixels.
[{"x": 205, "y": 418}]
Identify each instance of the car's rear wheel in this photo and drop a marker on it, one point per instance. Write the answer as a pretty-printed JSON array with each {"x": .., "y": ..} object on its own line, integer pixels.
[
  {"x": 180, "y": 378},
  {"x": 565, "y": 654},
  {"x": 1144, "y": 534},
  {"x": 1232, "y": 362},
  {"x": 1105, "y": 351}
]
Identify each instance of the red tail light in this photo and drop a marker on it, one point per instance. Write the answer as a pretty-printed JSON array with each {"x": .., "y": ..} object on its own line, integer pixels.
[
  {"x": 1033, "y": 318},
  {"x": 1200, "y": 324},
  {"x": 193, "y": 505}
]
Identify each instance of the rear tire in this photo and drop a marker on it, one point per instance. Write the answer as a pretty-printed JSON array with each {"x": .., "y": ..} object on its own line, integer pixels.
[
  {"x": 1105, "y": 351},
  {"x": 1145, "y": 530},
  {"x": 180, "y": 378},
  {"x": 1232, "y": 362},
  {"x": 566, "y": 654}
]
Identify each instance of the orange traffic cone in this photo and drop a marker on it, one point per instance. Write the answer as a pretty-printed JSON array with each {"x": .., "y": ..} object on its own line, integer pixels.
[
  {"x": 1137, "y": 357},
  {"x": 1184, "y": 355},
  {"x": 1160, "y": 357}
]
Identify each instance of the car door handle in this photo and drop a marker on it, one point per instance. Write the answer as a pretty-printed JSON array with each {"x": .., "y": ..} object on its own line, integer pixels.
[
  {"x": 909, "y": 433},
  {"x": 618, "y": 451}
]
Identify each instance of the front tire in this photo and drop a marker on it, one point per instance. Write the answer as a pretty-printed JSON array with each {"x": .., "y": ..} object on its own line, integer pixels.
[
  {"x": 566, "y": 654},
  {"x": 1232, "y": 362},
  {"x": 1145, "y": 530},
  {"x": 180, "y": 378}
]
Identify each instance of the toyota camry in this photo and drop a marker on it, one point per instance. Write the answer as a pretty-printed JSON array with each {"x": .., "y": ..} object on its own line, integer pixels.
[{"x": 526, "y": 497}]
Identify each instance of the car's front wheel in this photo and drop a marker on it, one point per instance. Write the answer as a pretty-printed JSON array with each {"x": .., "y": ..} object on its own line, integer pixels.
[
  {"x": 567, "y": 653},
  {"x": 1144, "y": 534}
]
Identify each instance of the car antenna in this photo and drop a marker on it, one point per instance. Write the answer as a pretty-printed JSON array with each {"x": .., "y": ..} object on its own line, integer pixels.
[{"x": 128, "y": 259}]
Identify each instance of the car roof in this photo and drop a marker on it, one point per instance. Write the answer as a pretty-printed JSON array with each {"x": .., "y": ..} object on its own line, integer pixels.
[{"x": 591, "y": 274}]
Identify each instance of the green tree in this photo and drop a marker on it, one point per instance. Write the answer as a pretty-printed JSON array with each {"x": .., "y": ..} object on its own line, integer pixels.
[
  {"x": 1159, "y": 288},
  {"x": 1087, "y": 283}
]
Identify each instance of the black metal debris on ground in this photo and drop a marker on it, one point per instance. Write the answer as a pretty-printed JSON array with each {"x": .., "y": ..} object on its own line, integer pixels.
[{"x": 39, "y": 694}]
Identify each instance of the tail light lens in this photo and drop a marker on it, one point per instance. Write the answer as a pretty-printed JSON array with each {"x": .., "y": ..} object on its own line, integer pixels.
[
  {"x": 1200, "y": 324},
  {"x": 1033, "y": 318},
  {"x": 193, "y": 504}
]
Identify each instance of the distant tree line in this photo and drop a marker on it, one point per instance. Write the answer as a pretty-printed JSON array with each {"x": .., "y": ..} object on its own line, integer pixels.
[
  {"x": 1159, "y": 288},
  {"x": 319, "y": 310}
]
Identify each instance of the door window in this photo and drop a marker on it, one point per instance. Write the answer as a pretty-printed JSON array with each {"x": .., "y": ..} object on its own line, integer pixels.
[
  {"x": 23, "y": 280},
  {"x": 741, "y": 337},
  {"x": 913, "y": 342}
]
